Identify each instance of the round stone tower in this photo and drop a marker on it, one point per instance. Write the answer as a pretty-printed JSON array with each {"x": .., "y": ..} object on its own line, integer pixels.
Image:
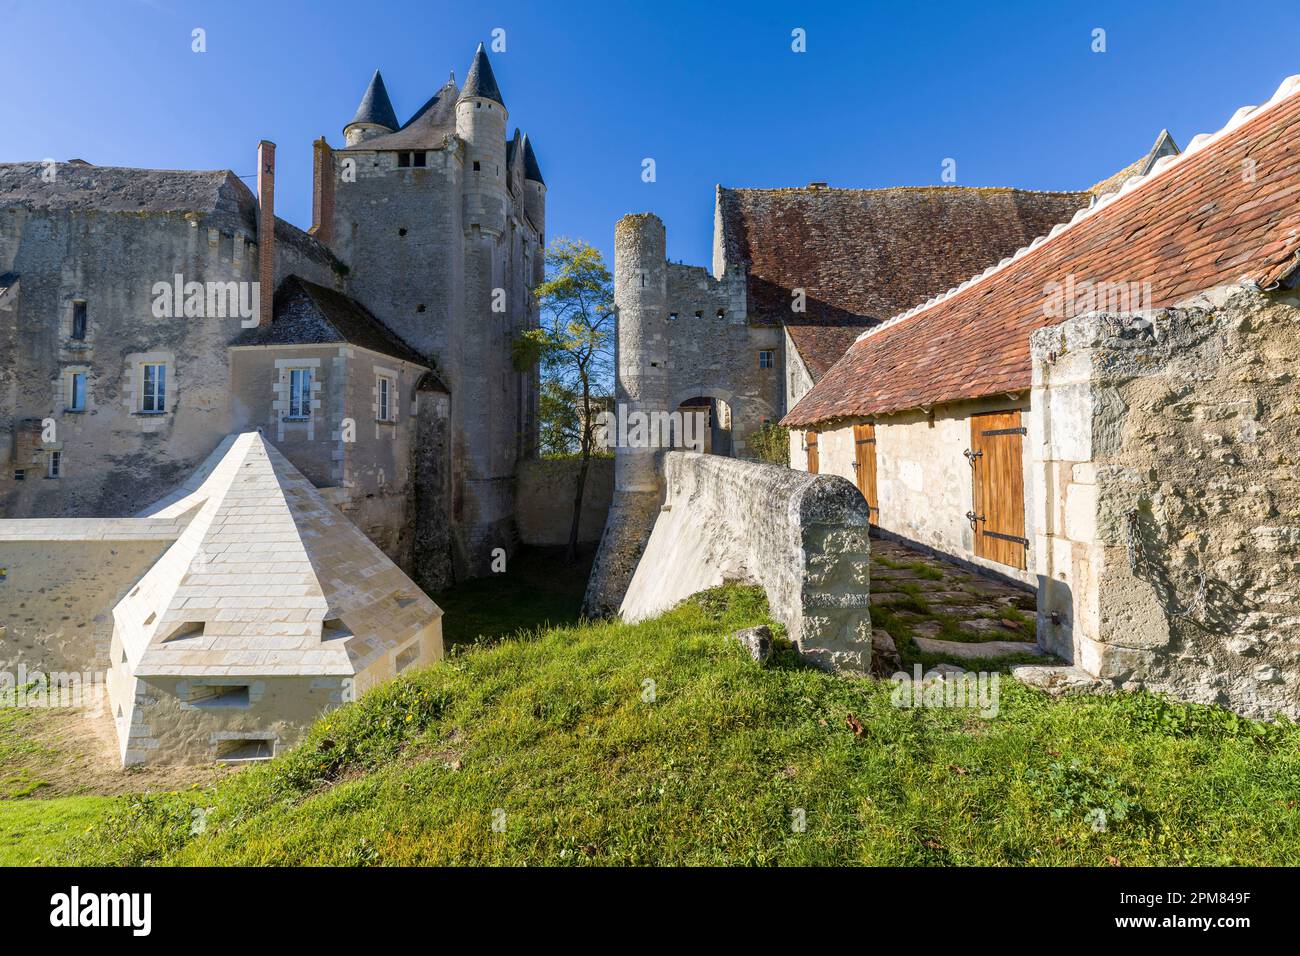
[
  {"x": 481, "y": 123},
  {"x": 641, "y": 385},
  {"x": 641, "y": 298}
]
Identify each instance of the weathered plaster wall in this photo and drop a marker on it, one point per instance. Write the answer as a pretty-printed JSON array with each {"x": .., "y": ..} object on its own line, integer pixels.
[
  {"x": 545, "y": 493},
  {"x": 922, "y": 478},
  {"x": 1167, "y": 479},
  {"x": 803, "y": 538}
]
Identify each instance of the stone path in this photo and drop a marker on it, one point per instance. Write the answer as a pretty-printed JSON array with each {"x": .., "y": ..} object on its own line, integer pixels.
[{"x": 937, "y": 609}]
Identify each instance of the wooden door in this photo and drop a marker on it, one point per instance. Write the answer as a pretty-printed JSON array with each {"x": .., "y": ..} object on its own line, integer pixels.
[
  {"x": 810, "y": 442},
  {"x": 864, "y": 465},
  {"x": 998, "y": 487}
]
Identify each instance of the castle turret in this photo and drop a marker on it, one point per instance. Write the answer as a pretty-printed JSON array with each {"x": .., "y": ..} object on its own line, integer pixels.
[
  {"x": 641, "y": 393},
  {"x": 481, "y": 123},
  {"x": 375, "y": 116},
  {"x": 641, "y": 298},
  {"x": 534, "y": 190}
]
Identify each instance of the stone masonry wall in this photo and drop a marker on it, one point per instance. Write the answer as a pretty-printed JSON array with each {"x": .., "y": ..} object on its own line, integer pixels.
[
  {"x": 545, "y": 500},
  {"x": 1167, "y": 481},
  {"x": 803, "y": 538}
]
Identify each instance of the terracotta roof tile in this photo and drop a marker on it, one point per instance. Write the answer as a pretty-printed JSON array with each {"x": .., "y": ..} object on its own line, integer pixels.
[
  {"x": 862, "y": 255},
  {"x": 1195, "y": 222}
]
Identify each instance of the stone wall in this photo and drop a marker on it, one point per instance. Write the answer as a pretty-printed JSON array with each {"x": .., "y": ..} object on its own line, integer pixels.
[
  {"x": 1167, "y": 481},
  {"x": 803, "y": 538},
  {"x": 923, "y": 479},
  {"x": 58, "y": 586},
  {"x": 545, "y": 500}
]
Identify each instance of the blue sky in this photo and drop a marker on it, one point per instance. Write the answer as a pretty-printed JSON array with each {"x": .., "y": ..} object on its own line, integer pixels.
[{"x": 713, "y": 92}]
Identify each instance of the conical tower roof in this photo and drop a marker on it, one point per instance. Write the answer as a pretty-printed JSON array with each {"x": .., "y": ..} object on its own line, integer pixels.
[
  {"x": 480, "y": 81},
  {"x": 376, "y": 108},
  {"x": 531, "y": 169}
]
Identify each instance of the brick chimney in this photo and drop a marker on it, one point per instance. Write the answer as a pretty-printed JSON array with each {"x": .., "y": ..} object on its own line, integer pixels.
[
  {"x": 322, "y": 198},
  {"x": 265, "y": 229}
]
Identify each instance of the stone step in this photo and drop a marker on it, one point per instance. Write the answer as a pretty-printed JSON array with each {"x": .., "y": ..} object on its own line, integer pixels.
[
  {"x": 975, "y": 650},
  {"x": 1059, "y": 680}
]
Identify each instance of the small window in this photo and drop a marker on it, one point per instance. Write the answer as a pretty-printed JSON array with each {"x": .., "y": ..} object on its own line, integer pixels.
[
  {"x": 477, "y": 167},
  {"x": 385, "y": 396},
  {"x": 419, "y": 159},
  {"x": 54, "y": 464},
  {"x": 722, "y": 313},
  {"x": 407, "y": 656},
  {"x": 403, "y": 160},
  {"x": 766, "y": 359},
  {"x": 300, "y": 393},
  {"x": 672, "y": 316},
  {"x": 242, "y": 751},
  {"x": 219, "y": 695},
  {"x": 402, "y": 231},
  {"x": 699, "y": 313},
  {"x": 78, "y": 320},
  {"x": 77, "y": 392},
  {"x": 153, "y": 389},
  {"x": 183, "y": 631},
  {"x": 20, "y": 475}
]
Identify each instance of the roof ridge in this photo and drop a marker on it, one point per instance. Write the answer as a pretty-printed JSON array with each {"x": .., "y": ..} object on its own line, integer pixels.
[{"x": 1288, "y": 88}]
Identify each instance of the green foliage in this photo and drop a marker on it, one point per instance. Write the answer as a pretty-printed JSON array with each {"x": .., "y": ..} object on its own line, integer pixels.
[
  {"x": 662, "y": 743},
  {"x": 771, "y": 443}
]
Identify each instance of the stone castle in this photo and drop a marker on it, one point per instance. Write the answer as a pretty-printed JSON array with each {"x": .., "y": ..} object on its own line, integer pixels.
[{"x": 375, "y": 354}]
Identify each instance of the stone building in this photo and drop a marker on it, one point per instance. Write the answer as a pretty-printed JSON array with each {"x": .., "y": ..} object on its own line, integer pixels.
[
  {"x": 1109, "y": 415},
  {"x": 797, "y": 275},
  {"x": 145, "y": 315}
]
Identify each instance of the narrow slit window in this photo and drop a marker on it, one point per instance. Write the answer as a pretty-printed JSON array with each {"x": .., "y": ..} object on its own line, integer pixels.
[
  {"x": 55, "y": 466},
  {"x": 78, "y": 320},
  {"x": 385, "y": 396},
  {"x": 77, "y": 392}
]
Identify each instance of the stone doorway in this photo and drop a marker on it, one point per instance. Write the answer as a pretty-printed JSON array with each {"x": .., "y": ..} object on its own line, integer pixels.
[{"x": 709, "y": 427}]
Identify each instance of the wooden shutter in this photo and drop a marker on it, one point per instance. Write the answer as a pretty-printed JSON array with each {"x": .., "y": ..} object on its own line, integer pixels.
[
  {"x": 864, "y": 465},
  {"x": 810, "y": 441},
  {"x": 998, "y": 488}
]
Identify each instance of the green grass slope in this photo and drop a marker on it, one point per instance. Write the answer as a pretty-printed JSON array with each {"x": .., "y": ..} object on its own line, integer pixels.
[{"x": 662, "y": 743}]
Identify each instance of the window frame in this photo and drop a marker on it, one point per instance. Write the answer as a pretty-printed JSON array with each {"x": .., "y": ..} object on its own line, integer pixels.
[
  {"x": 385, "y": 398},
  {"x": 767, "y": 358},
  {"x": 54, "y": 464},
  {"x": 73, "y": 405},
  {"x": 80, "y": 320},
  {"x": 159, "y": 392},
  {"x": 303, "y": 392}
]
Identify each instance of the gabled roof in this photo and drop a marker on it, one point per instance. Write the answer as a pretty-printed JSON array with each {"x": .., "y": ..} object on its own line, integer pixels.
[
  {"x": 1196, "y": 221},
  {"x": 376, "y": 108},
  {"x": 862, "y": 255},
  {"x": 267, "y": 578},
  {"x": 1164, "y": 146},
  {"x": 305, "y": 313},
  {"x": 480, "y": 81},
  {"x": 427, "y": 129}
]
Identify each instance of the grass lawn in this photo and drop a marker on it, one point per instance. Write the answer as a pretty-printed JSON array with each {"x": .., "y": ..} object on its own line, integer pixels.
[
  {"x": 662, "y": 743},
  {"x": 37, "y": 831}
]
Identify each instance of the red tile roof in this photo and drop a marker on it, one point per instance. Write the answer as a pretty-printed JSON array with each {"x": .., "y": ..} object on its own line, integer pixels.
[
  {"x": 1196, "y": 222},
  {"x": 862, "y": 255}
]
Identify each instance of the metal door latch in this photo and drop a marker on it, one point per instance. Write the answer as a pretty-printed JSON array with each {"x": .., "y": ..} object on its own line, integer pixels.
[{"x": 972, "y": 455}]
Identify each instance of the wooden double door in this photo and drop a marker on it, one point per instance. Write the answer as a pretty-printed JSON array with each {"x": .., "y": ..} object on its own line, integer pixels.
[{"x": 997, "y": 512}]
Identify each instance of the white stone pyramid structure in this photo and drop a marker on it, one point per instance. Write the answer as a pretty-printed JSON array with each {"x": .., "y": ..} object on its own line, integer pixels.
[{"x": 269, "y": 596}]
